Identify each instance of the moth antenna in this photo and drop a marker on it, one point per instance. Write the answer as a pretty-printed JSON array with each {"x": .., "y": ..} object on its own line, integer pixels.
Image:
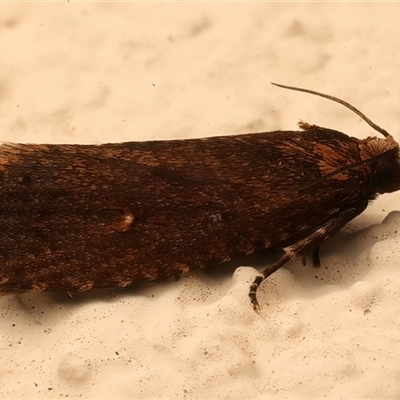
[{"x": 342, "y": 102}]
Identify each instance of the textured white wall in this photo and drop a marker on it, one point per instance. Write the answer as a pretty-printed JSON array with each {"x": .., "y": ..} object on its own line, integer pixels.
[{"x": 108, "y": 72}]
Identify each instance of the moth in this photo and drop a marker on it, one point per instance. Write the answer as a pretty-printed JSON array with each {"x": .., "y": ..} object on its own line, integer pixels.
[{"x": 77, "y": 217}]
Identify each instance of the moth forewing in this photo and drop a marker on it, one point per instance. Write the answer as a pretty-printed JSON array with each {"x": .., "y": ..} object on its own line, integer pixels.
[{"x": 77, "y": 217}]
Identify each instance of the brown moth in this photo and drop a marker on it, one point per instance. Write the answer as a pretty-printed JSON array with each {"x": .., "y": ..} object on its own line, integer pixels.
[{"x": 76, "y": 217}]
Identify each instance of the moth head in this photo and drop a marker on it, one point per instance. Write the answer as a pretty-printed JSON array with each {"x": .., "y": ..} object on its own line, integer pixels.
[
  {"x": 387, "y": 166},
  {"x": 381, "y": 154}
]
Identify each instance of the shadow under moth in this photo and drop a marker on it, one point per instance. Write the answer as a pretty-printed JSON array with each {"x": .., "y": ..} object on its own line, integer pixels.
[{"x": 76, "y": 217}]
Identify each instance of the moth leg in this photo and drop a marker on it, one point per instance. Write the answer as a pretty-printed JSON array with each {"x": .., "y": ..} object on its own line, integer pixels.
[
  {"x": 316, "y": 260},
  {"x": 315, "y": 256},
  {"x": 310, "y": 242},
  {"x": 259, "y": 278}
]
